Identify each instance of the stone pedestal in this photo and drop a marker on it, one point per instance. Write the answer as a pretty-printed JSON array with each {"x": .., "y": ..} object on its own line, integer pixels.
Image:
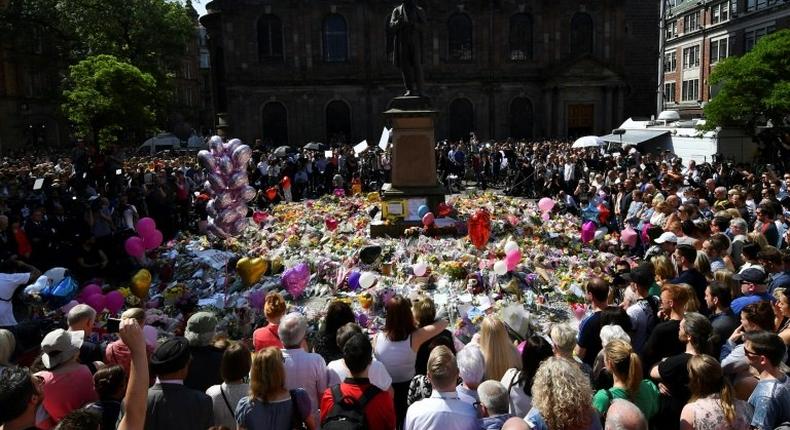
[{"x": 414, "y": 177}]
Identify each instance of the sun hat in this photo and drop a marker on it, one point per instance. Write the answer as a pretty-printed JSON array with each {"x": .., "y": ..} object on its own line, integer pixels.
[{"x": 60, "y": 346}]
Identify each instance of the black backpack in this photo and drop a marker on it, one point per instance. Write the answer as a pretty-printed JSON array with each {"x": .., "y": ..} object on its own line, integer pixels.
[{"x": 348, "y": 413}]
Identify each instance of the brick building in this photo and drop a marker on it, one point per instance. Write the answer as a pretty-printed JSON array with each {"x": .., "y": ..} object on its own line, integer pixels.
[
  {"x": 700, "y": 33},
  {"x": 298, "y": 70}
]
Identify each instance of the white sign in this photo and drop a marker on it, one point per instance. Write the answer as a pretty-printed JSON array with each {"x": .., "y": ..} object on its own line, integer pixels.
[
  {"x": 328, "y": 154},
  {"x": 385, "y": 138},
  {"x": 361, "y": 147}
]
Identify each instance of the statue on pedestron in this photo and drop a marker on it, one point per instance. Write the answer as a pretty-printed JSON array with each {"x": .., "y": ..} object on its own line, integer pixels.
[{"x": 404, "y": 44}]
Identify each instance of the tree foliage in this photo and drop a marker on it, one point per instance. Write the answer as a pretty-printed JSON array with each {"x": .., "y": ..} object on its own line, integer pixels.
[
  {"x": 109, "y": 99},
  {"x": 755, "y": 87}
]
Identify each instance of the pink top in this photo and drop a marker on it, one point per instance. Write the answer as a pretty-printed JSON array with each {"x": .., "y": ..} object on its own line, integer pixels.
[{"x": 65, "y": 392}]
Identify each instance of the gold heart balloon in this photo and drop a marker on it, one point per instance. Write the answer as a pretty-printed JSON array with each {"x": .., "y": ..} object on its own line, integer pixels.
[
  {"x": 251, "y": 269},
  {"x": 141, "y": 283}
]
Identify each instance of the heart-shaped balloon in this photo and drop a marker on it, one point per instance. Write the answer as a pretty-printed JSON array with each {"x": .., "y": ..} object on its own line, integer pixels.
[
  {"x": 480, "y": 228},
  {"x": 251, "y": 269},
  {"x": 276, "y": 265},
  {"x": 331, "y": 224},
  {"x": 271, "y": 193},
  {"x": 444, "y": 210},
  {"x": 141, "y": 283},
  {"x": 295, "y": 279},
  {"x": 259, "y": 217}
]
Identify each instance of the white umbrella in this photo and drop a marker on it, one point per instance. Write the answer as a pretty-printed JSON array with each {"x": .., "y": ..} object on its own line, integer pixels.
[{"x": 587, "y": 141}]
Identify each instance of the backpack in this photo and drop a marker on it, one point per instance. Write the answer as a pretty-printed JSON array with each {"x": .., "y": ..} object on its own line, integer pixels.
[{"x": 348, "y": 413}]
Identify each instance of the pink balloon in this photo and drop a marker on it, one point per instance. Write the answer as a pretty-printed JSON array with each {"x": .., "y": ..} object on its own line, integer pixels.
[
  {"x": 144, "y": 225},
  {"x": 513, "y": 259},
  {"x": 428, "y": 219},
  {"x": 96, "y": 301},
  {"x": 114, "y": 302},
  {"x": 134, "y": 246},
  {"x": 295, "y": 279},
  {"x": 546, "y": 216},
  {"x": 546, "y": 204},
  {"x": 588, "y": 231},
  {"x": 629, "y": 236},
  {"x": 152, "y": 239},
  {"x": 90, "y": 290}
]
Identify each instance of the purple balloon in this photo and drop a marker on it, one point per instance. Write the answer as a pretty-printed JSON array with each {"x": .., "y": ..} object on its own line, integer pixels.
[
  {"x": 241, "y": 155},
  {"x": 228, "y": 216},
  {"x": 353, "y": 280},
  {"x": 256, "y": 299},
  {"x": 134, "y": 247},
  {"x": 152, "y": 239},
  {"x": 114, "y": 301},
  {"x": 90, "y": 290},
  {"x": 216, "y": 182},
  {"x": 588, "y": 231},
  {"x": 223, "y": 201},
  {"x": 206, "y": 159},
  {"x": 232, "y": 145},
  {"x": 248, "y": 193},
  {"x": 97, "y": 302},
  {"x": 295, "y": 279},
  {"x": 241, "y": 208},
  {"x": 238, "y": 180},
  {"x": 217, "y": 231}
]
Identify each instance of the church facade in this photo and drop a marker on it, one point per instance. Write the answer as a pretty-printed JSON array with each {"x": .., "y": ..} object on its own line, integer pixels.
[{"x": 293, "y": 71}]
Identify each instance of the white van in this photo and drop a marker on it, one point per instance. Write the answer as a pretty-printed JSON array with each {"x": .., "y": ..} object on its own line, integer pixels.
[{"x": 170, "y": 142}]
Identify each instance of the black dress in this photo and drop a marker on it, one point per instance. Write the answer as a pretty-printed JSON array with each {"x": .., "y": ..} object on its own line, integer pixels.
[{"x": 674, "y": 374}]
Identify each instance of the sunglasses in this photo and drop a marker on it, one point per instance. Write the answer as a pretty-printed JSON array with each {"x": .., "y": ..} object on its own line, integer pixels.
[{"x": 750, "y": 353}]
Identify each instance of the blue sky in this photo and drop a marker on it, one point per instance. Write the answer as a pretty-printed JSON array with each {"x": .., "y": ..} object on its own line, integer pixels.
[{"x": 200, "y": 6}]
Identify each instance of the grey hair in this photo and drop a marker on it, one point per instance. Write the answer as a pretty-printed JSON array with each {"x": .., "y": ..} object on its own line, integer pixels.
[
  {"x": 292, "y": 330},
  {"x": 471, "y": 364},
  {"x": 563, "y": 336},
  {"x": 80, "y": 313},
  {"x": 611, "y": 332},
  {"x": 740, "y": 223},
  {"x": 624, "y": 415},
  {"x": 494, "y": 396},
  {"x": 7, "y": 346}
]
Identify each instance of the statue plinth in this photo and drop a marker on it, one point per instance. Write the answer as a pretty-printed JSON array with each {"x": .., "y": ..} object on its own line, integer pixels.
[{"x": 414, "y": 178}]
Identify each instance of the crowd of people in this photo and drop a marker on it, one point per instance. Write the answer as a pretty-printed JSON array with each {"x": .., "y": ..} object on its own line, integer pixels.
[{"x": 689, "y": 329}]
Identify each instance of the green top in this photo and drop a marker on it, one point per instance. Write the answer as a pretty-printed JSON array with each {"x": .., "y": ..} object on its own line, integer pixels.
[
  {"x": 647, "y": 399},
  {"x": 654, "y": 290}
]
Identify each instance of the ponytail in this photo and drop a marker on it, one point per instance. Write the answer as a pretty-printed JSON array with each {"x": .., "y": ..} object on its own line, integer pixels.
[
  {"x": 728, "y": 402},
  {"x": 634, "y": 375}
]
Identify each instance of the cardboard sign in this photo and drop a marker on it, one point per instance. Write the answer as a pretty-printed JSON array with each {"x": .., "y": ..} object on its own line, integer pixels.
[
  {"x": 38, "y": 184},
  {"x": 361, "y": 147},
  {"x": 384, "y": 140}
]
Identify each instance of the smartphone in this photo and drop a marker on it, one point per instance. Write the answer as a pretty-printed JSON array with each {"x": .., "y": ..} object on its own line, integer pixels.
[{"x": 113, "y": 325}]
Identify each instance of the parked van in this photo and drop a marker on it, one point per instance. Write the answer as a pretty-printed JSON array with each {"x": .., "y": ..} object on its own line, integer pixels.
[{"x": 170, "y": 142}]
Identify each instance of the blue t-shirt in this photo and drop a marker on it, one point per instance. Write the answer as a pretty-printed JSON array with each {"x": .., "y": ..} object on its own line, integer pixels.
[
  {"x": 771, "y": 402},
  {"x": 535, "y": 420}
]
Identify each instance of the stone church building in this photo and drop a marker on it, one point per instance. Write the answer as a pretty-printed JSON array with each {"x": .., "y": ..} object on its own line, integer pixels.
[{"x": 292, "y": 71}]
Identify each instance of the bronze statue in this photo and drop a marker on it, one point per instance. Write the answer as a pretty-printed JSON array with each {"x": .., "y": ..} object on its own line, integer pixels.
[{"x": 404, "y": 44}]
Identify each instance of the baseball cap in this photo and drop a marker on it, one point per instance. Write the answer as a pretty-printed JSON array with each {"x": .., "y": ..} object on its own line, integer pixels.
[
  {"x": 59, "y": 346},
  {"x": 667, "y": 237},
  {"x": 752, "y": 274}
]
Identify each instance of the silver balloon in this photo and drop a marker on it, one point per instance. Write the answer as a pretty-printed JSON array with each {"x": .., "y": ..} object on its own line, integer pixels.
[
  {"x": 232, "y": 145},
  {"x": 248, "y": 193},
  {"x": 218, "y": 231},
  {"x": 210, "y": 209},
  {"x": 241, "y": 155},
  {"x": 238, "y": 180},
  {"x": 206, "y": 160},
  {"x": 225, "y": 165},
  {"x": 223, "y": 201},
  {"x": 241, "y": 209},
  {"x": 217, "y": 182},
  {"x": 215, "y": 145},
  {"x": 228, "y": 216}
]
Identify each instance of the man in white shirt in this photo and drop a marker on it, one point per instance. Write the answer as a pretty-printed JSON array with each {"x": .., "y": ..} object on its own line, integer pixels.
[
  {"x": 338, "y": 372},
  {"x": 443, "y": 410},
  {"x": 303, "y": 369}
]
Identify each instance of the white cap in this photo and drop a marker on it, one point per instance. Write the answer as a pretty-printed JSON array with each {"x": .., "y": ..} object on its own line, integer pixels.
[{"x": 667, "y": 237}]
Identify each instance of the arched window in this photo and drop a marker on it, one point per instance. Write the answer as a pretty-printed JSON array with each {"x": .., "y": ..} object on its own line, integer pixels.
[
  {"x": 520, "y": 37},
  {"x": 275, "y": 123},
  {"x": 270, "y": 39},
  {"x": 581, "y": 34},
  {"x": 459, "y": 36},
  {"x": 521, "y": 118},
  {"x": 338, "y": 122},
  {"x": 335, "y": 39},
  {"x": 462, "y": 119}
]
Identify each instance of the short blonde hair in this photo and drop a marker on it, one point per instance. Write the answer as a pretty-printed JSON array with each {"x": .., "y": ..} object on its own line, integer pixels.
[
  {"x": 442, "y": 367},
  {"x": 563, "y": 336},
  {"x": 424, "y": 311},
  {"x": 663, "y": 267},
  {"x": 135, "y": 314},
  {"x": 267, "y": 373}
]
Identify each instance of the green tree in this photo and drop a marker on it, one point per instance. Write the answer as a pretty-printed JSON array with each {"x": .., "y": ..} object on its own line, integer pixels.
[
  {"x": 109, "y": 99},
  {"x": 754, "y": 88}
]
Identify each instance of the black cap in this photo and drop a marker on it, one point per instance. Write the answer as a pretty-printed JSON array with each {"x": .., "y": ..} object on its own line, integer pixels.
[
  {"x": 171, "y": 356},
  {"x": 752, "y": 274},
  {"x": 641, "y": 275}
]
